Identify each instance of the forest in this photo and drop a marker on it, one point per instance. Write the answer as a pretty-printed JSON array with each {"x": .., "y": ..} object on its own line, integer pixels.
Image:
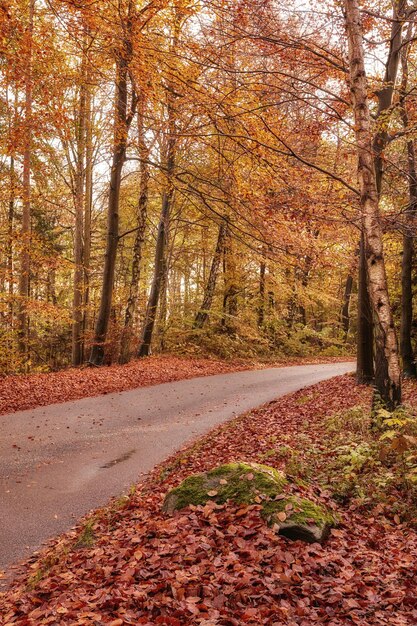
[
  {"x": 182, "y": 176},
  {"x": 207, "y": 284}
]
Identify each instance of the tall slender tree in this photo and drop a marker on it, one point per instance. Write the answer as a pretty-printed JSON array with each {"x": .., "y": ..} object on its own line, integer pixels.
[
  {"x": 24, "y": 281},
  {"x": 407, "y": 353},
  {"x": 142, "y": 212},
  {"x": 389, "y": 375},
  {"x": 123, "y": 116}
]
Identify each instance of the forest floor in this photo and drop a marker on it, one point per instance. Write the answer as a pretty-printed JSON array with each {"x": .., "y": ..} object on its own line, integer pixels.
[
  {"x": 221, "y": 565},
  {"x": 18, "y": 393}
]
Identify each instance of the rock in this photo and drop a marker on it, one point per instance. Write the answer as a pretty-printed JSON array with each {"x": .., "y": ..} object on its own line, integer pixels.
[
  {"x": 304, "y": 519},
  {"x": 253, "y": 483},
  {"x": 304, "y": 532},
  {"x": 240, "y": 482}
]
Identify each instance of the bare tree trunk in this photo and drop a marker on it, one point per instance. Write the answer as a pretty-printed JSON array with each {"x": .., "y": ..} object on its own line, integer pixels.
[
  {"x": 389, "y": 382},
  {"x": 150, "y": 316},
  {"x": 10, "y": 222},
  {"x": 365, "y": 332},
  {"x": 122, "y": 123},
  {"x": 77, "y": 303},
  {"x": 385, "y": 95},
  {"x": 163, "y": 306},
  {"x": 88, "y": 200},
  {"x": 344, "y": 316},
  {"x": 230, "y": 305},
  {"x": 204, "y": 312},
  {"x": 139, "y": 239},
  {"x": 347, "y": 295},
  {"x": 261, "y": 307},
  {"x": 407, "y": 355},
  {"x": 160, "y": 267},
  {"x": 23, "y": 318}
]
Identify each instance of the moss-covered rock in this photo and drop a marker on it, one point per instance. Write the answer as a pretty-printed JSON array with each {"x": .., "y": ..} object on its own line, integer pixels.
[{"x": 252, "y": 483}]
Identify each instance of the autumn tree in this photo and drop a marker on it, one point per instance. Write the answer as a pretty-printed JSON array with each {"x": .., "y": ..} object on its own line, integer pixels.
[
  {"x": 124, "y": 112},
  {"x": 388, "y": 381}
]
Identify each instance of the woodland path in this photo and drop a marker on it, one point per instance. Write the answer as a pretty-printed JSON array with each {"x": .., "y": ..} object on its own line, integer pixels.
[{"x": 59, "y": 461}]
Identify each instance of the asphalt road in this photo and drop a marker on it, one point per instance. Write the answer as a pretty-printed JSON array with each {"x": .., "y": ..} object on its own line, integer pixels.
[{"x": 60, "y": 461}]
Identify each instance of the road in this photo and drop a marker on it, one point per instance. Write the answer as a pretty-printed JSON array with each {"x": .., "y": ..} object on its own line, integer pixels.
[{"x": 60, "y": 461}]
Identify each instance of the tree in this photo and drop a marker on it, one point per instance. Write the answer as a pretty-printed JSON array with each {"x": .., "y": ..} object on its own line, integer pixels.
[
  {"x": 26, "y": 187},
  {"x": 389, "y": 379},
  {"x": 123, "y": 116},
  {"x": 407, "y": 353},
  {"x": 139, "y": 236}
]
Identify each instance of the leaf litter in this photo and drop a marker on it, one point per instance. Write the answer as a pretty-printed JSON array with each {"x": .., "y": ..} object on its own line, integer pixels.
[{"x": 221, "y": 565}]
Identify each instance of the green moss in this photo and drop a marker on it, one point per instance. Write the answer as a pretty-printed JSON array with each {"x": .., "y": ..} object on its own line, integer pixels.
[
  {"x": 264, "y": 480},
  {"x": 302, "y": 511},
  {"x": 193, "y": 490},
  {"x": 240, "y": 482}
]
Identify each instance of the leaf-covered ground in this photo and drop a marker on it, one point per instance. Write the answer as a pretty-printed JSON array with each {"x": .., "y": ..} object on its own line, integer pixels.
[
  {"x": 27, "y": 392},
  {"x": 221, "y": 566},
  {"x": 18, "y": 393}
]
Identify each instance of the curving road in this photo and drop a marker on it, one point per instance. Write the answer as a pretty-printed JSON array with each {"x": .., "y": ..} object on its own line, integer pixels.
[{"x": 58, "y": 462}]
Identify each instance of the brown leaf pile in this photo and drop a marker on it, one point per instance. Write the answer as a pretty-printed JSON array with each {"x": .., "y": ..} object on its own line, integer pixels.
[
  {"x": 18, "y": 393},
  {"x": 221, "y": 566}
]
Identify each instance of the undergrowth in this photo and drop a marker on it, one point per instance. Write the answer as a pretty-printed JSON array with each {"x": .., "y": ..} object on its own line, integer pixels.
[{"x": 367, "y": 457}]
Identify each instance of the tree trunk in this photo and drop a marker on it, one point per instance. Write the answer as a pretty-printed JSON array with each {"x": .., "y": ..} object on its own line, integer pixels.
[
  {"x": 347, "y": 295},
  {"x": 121, "y": 128},
  {"x": 261, "y": 307},
  {"x": 385, "y": 95},
  {"x": 150, "y": 316},
  {"x": 10, "y": 223},
  {"x": 88, "y": 200},
  {"x": 388, "y": 381},
  {"x": 204, "y": 312},
  {"x": 385, "y": 100},
  {"x": 161, "y": 243},
  {"x": 23, "y": 318},
  {"x": 365, "y": 332},
  {"x": 230, "y": 305},
  {"x": 344, "y": 317},
  {"x": 77, "y": 303},
  {"x": 139, "y": 239},
  {"x": 163, "y": 306},
  {"x": 407, "y": 355}
]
